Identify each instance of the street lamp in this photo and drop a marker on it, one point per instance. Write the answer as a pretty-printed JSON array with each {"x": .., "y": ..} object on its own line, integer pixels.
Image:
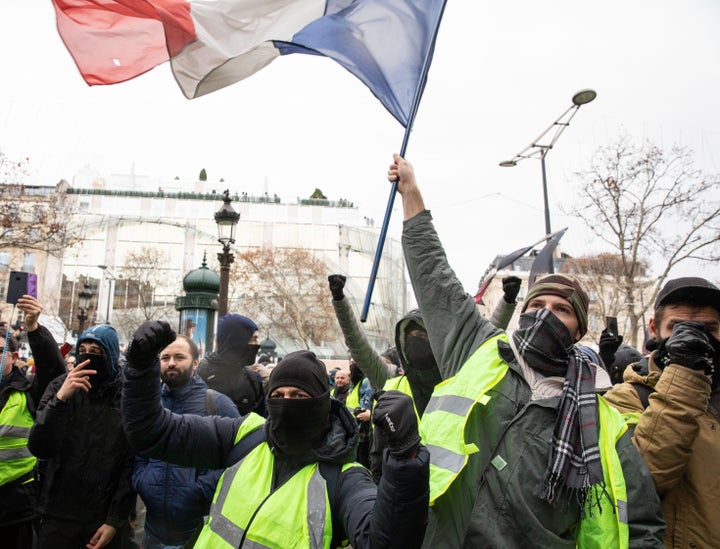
[
  {"x": 226, "y": 219},
  {"x": 539, "y": 150},
  {"x": 84, "y": 298}
]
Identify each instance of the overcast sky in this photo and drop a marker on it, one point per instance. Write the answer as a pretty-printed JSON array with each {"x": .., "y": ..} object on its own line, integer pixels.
[{"x": 502, "y": 73}]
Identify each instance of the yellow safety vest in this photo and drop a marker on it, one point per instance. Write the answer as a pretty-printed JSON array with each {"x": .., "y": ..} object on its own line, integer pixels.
[
  {"x": 401, "y": 383},
  {"x": 296, "y": 515},
  {"x": 443, "y": 428},
  {"x": 15, "y": 423},
  {"x": 353, "y": 399}
]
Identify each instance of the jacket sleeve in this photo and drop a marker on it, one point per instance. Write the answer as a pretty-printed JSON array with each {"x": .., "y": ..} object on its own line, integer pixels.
[
  {"x": 502, "y": 313},
  {"x": 369, "y": 361},
  {"x": 455, "y": 326},
  {"x": 190, "y": 440},
  {"x": 392, "y": 514},
  {"x": 51, "y": 423},
  {"x": 49, "y": 362},
  {"x": 667, "y": 429},
  {"x": 645, "y": 521},
  {"x": 124, "y": 497}
]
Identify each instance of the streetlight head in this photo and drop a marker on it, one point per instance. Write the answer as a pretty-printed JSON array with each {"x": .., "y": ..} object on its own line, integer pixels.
[
  {"x": 226, "y": 219},
  {"x": 508, "y": 163},
  {"x": 583, "y": 97}
]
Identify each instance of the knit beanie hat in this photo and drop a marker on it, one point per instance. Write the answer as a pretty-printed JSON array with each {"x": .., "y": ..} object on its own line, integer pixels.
[
  {"x": 303, "y": 370},
  {"x": 567, "y": 287}
]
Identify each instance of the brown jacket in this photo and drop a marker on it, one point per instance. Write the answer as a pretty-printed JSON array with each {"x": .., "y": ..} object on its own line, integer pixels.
[{"x": 678, "y": 435}]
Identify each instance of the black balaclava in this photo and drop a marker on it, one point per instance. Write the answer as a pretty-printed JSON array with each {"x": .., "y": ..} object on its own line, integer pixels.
[
  {"x": 233, "y": 334},
  {"x": 297, "y": 425}
]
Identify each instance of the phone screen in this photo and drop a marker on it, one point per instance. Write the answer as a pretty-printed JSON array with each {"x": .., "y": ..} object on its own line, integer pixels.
[{"x": 611, "y": 324}]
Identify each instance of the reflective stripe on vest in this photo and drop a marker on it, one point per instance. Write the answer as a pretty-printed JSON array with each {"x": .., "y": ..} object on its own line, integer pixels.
[
  {"x": 442, "y": 426},
  {"x": 607, "y": 526},
  {"x": 15, "y": 423},
  {"x": 297, "y": 514}
]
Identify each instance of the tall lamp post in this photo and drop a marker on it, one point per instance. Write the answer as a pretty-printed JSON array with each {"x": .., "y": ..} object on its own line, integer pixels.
[
  {"x": 84, "y": 297},
  {"x": 539, "y": 149},
  {"x": 226, "y": 219}
]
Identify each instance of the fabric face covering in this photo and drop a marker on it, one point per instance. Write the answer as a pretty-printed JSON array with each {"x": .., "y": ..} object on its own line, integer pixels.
[{"x": 297, "y": 425}]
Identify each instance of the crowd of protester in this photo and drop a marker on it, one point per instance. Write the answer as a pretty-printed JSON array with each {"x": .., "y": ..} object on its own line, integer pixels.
[{"x": 461, "y": 434}]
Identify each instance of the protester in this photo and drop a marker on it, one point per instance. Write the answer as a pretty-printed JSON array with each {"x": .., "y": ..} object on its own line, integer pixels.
[
  {"x": 85, "y": 491},
  {"x": 341, "y": 386},
  {"x": 517, "y": 456},
  {"x": 674, "y": 396},
  {"x": 19, "y": 397},
  {"x": 419, "y": 371},
  {"x": 291, "y": 480},
  {"x": 506, "y": 306},
  {"x": 228, "y": 368},
  {"x": 177, "y": 498}
]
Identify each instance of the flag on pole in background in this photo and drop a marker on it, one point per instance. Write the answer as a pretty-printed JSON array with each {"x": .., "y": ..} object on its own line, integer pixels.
[
  {"x": 211, "y": 44},
  {"x": 499, "y": 265},
  {"x": 543, "y": 260}
]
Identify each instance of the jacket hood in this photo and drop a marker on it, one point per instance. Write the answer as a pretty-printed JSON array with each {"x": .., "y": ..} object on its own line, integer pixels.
[
  {"x": 105, "y": 336},
  {"x": 233, "y": 334},
  {"x": 401, "y": 328}
]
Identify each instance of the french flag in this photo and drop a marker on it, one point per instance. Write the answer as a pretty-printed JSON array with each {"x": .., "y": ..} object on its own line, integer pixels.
[{"x": 210, "y": 44}]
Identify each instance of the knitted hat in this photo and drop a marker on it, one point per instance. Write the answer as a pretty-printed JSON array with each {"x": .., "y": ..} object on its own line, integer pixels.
[
  {"x": 567, "y": 287},
  {"x": 303, "y": 370}
]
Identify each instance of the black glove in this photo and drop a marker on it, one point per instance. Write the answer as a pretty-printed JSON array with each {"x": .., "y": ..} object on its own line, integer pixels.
[
  {"x": 689, "y": 346},
  {"x": 608, "y": 345},
  {"x": 395, "y": 417},
  {"x": 511, "y": 288},
  {"x": 148, "y": 340},
  {"x": 337, "y": 283}
]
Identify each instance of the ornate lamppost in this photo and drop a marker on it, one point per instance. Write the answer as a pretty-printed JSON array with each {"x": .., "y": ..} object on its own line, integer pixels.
[
  {"x": 226, "y": 219},
  {"x": 84, "y": 298}
]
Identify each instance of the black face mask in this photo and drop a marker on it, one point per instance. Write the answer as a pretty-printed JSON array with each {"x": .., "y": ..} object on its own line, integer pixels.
[
  {"x": 97, "y": 363},
  {"x": 544, "y": 342},
  {"x": 247, "y": 357},
  {"x": 419, "y": 353},
  {"x": 297, "y": 425}
]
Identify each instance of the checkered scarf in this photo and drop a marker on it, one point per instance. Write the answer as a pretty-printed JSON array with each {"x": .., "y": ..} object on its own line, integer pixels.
[{"x": 547, "y": 346}]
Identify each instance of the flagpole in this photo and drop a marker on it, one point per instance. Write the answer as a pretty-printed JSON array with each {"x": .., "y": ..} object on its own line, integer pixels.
[{"x": 403, "y": 148}]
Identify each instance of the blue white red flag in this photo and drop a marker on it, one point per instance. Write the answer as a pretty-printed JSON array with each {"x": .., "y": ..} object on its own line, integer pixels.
[{"x": 210, "y": 44}]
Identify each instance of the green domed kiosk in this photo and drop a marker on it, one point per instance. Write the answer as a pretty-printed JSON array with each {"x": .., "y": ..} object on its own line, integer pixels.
[{"x": 198, "y": 307}]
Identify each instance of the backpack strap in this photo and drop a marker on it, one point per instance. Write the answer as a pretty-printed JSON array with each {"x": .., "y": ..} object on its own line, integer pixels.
[
  {"x": 644, "y": 393},
  {"x": 245, "y": 446},
  {"x": 210, "y": 402},
  {"x": 330, "y": 472}
]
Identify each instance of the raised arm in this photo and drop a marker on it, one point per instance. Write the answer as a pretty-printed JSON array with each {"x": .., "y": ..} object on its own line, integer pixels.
[
  {"x": 194, "y": 441},
  {"x": 454, "y": 325},
  {"x": 369, "y": 361}
]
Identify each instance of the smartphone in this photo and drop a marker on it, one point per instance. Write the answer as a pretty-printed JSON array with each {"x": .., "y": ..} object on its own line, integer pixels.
[
  {"x": 611, "y": 325},
  {"x": 21, "y": 284}
]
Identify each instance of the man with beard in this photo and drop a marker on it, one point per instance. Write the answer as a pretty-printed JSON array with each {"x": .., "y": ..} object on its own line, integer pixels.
[
  {"x": 523, "y": 452},
  {"x": 177, "y": 498},
  {"x": 85, "y": 492},
  {"x": 674, "y": 396},
  {"x": 227, "y": 369},
  {"x": 290, "y": 481}
]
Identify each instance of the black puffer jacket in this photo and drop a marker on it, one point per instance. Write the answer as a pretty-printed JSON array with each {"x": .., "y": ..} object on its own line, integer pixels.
[
  {"x": 87, "y": 468},
  {"x": 392, "y": 514}
]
